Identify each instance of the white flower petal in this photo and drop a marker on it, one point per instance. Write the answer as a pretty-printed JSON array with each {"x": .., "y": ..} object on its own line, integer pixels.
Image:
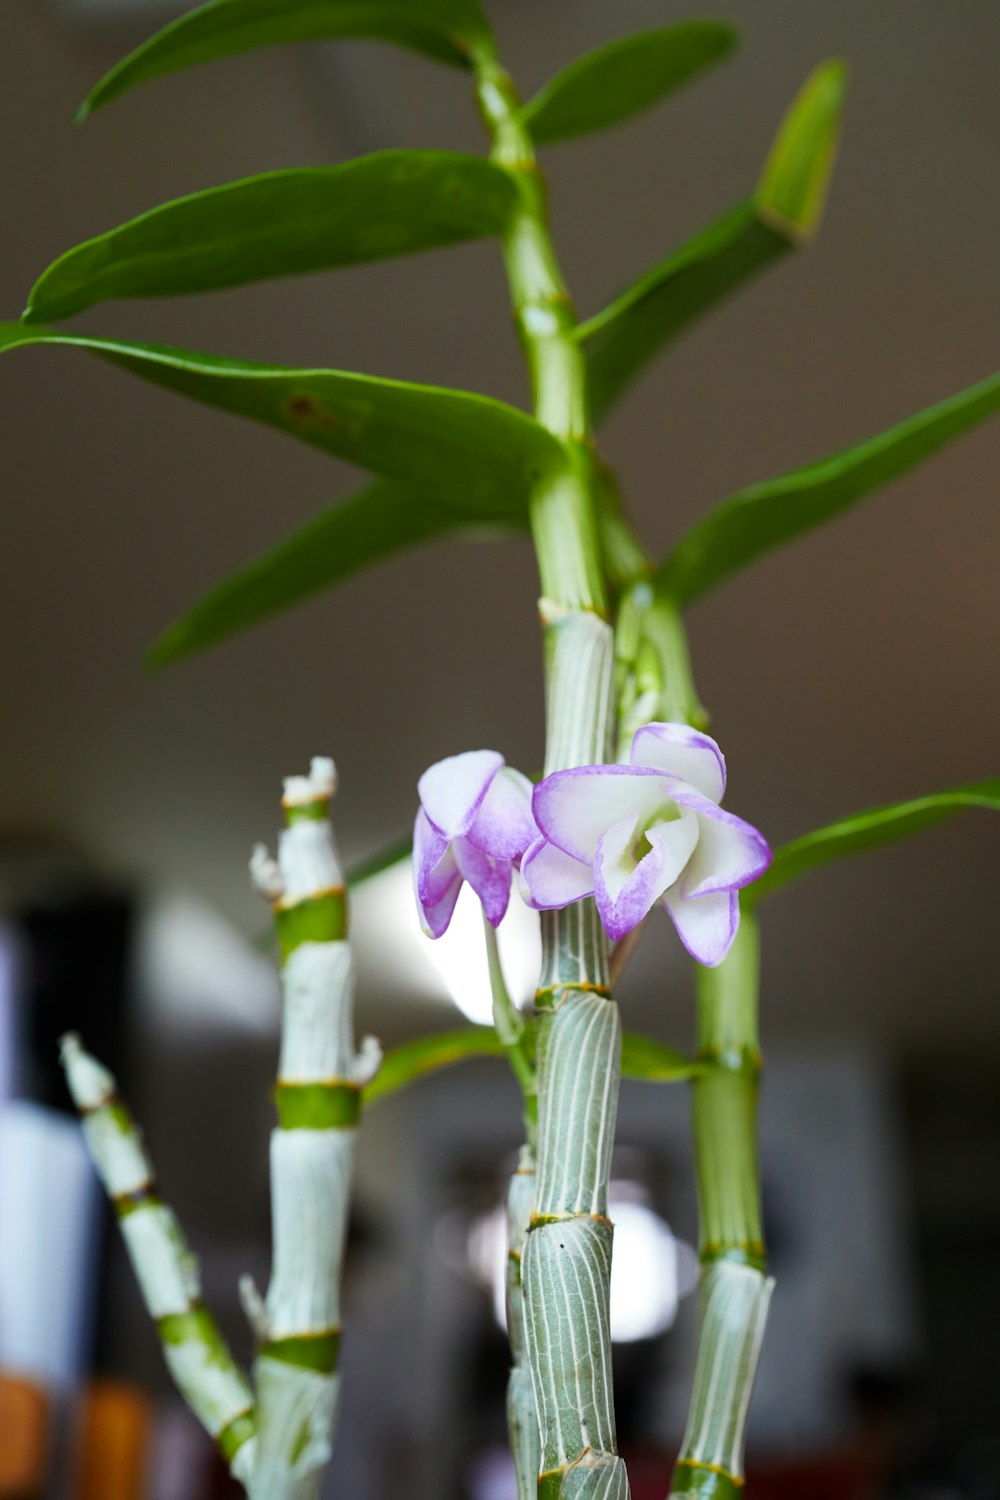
[
  {"x": 684, "y": 752},
  {"x": 730, "y": 852},
  {"x": 573, "y": 808},
  {"x": 706, "y": 925},
  {"x": 452, "y": 790},
  {"x": 504, "y": 826},
  {"x": 550, "y": 878}
]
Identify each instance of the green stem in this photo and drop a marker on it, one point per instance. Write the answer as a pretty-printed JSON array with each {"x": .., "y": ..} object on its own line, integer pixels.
[
  {"x": 735, "y": 1291},
  {"x": 567, "y": 1254}
]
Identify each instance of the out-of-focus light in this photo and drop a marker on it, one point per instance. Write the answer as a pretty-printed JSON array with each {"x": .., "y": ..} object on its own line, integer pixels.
[
  {"x": 454, "y": 965},
  {"x": 196, "y": 972},
  {"x": 50, "y": 1207},
  {"x": 460, "y": 956},
  {"x": 651, "y": 1269}
]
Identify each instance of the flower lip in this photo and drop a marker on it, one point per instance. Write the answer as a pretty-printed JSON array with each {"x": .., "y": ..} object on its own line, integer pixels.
[{"x": 624, "y": 896}]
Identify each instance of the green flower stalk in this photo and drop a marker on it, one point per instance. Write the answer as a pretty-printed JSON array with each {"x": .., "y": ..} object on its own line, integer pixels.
[
  {"x": 734, "y": 1290},
  {"x": 566, "y": 1264}
]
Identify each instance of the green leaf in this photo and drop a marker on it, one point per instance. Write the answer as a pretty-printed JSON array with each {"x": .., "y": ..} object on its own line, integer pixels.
[
  {"x": 406, "y": 1063},
  {"x": 452, "y": 444},
  {"x": 769, "y": 514},
  {"x": 453, "y": 31},
  {"x": 651, "y": 1062},
  {"x": 642, "y": 1058},
  {"x": 868, "y": 830},
  {"x": 640, "y": 323},
  {"x": 627, "y": 75},
  {"x": 622, "y": 339},
  {"x": 281, "y": 224},
  {"x": 793, "y": 186},
  {"x": 373, "y": 524}
]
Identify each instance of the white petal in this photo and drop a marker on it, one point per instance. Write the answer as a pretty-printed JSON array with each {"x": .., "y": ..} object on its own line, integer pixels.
[
  {"x": 550, "y": 878},
  {"x": 685, "y": 752},
  {"x": 504, "y": 826},
  {"x": 730, "y": 852},
  {"x": 573, "y": 808},
  {"x": 706, "y": 925},
  {"x": 452, "y": 790}
]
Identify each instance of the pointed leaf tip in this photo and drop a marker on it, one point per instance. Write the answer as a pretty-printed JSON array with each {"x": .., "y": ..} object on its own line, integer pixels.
[
  {"x": 796, "y": 177},
  {"x": 449, "y": 31}
]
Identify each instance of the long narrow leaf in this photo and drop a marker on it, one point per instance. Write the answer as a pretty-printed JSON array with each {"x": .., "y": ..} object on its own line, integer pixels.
[
  {"x": 640, "y": 323},
  {"x": 869, "y": 830},
  {"x": 281, "y": 224},
  {"x": 767, "y": 515},
  {"x": 783, "y": 213},
  {"x": 652, "y": 1062},
  {"x": 625, "y": 76},
  {"x": 448, "y": 443},
  {"x": 409, "y": 1061},
  {"x": 343, "y": 538},
  {"x": 453, "y": 31},
  {"x": 642, "y": 1059}
]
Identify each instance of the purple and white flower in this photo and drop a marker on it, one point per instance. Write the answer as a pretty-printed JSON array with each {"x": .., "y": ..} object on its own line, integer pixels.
[
  {"x": 474, "y": 824},
  {"x": 651, "y": 831}
]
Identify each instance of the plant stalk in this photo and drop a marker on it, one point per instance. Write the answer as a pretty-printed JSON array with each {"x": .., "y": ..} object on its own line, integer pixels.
[
  {"x": 318, "y": 1099},
  {"x": 208, "y": 1377},
  {"x": 734, "y": 1289},
  {"x": 566, "y": 1262}
]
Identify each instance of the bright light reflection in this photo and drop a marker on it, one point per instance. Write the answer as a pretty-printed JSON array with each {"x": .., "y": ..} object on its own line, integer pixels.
[
  {"x": 457, "y": 961},
  {"x": 460, "y": 956},
  {"x": 650, "y": 1272}
]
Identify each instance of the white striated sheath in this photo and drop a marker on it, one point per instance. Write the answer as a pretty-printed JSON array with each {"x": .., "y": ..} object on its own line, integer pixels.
[
  {"x": 567, "y": 1269},
  {"x": 317, "y": 1037},
  {"x": 165, "y": 1270},
  {"x": 580, "y": 659},
  {"x": 734, "y": 1300},
  {"x": 214, "y": 1390},
  {"x": 294, "y": 1444},
  {"x": 199, "y": 1361},
  {"x": 578, "y": 1075},
  {"x": 308, "y": 861},
  {"x": 522, "y": 1422},
  {"x": 311, "y": 1180}
]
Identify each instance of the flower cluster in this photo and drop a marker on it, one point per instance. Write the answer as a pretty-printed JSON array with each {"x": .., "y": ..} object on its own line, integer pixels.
[{"x": 628, "y": 835}]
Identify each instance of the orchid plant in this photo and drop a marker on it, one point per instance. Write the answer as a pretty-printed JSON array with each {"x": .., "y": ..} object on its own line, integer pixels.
[{"x": 627, "y": 815}]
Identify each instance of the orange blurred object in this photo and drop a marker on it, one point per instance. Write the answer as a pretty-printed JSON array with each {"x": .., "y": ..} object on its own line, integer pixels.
[
  {"x": 112, "y": 1453},
  {"x": 24, "y": 1438}
]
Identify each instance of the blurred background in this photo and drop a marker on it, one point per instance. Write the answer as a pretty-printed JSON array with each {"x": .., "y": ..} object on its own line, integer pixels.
[{"x": 857, "y": 666}]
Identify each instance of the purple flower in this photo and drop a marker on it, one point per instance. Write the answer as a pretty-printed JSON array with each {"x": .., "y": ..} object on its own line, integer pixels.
[
  {"x": 649, "y": 831},
  {"x": 474, "y": 824}
]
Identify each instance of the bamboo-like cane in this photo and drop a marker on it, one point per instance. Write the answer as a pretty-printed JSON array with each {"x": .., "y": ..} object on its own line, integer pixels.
[
  {"x": 735, "y": 1290},
  {"x": 197, "y": 1355},
  {"x": 566, "y": 1265},
  {"x": 318, "y": 1098}
]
